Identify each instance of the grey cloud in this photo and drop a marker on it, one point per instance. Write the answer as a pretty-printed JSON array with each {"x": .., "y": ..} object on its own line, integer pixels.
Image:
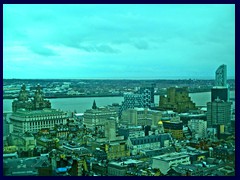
[
  {"x": 42, "y": 51},
  {"x": 98, "y": 48},
  {"x": 142, "y": 45}
]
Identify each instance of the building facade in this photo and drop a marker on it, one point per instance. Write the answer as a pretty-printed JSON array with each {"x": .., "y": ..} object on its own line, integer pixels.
[
  {"x": 141, "y": 116},
  {"x": 137, "y": 144},
  {"x": 25, "y": 102},
  {"x": 33, "y": 121},
  {"x": 131, "y": 101},
  {"x": 175, "y": 128},
  {"x": 198, "y": 128},
  {"x": 96, "y": 118},
  {"x": 221, "y": 76},
  {"x": 148, "y": 95},
  {"x": 218, "y": 113},
  {"x": 177, "y": 99},
  {"x": 166, "y": 161}
]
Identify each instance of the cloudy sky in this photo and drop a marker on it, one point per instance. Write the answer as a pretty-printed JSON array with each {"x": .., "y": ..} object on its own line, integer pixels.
[{"x": 118, "y": 41}]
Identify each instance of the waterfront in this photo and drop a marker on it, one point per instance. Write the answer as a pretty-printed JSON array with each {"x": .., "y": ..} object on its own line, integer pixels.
[{"x": 81, "y": 104}]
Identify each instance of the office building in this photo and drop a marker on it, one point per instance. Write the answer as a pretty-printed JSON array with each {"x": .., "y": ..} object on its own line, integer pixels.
[
  {"x": 198, "y": 128},
  {"x": 177, "y": 99},
  {"x": 220, "y": 92},
  {"x": 33, "y": 121},
  {"x": 140, "y": 116},
  {"x": 174, "y": 127},
  {"x": 218, "y": 113},
  {"x": 96, "y": 118}
]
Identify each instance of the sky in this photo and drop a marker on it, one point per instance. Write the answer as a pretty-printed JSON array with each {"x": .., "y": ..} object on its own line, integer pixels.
[{"x": 183, "y": 41}]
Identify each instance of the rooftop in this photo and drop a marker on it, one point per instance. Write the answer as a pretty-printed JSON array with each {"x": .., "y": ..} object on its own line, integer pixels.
[{"x": 23, "y": 112}]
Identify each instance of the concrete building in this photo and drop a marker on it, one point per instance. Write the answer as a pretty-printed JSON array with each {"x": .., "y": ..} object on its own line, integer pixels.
[
  {"x": 33, "y": 121},
  {"x": 25, "y": 142},
  {"x": 218, "y": 113},
  {"x": 140, "y": 116},
  {"x": 131, "y": 131},
  {"x": 120, "y": 168},
  {"x": 96, "y": 118},
  {"x": 35, "y": 166},
  {"x": 166, "y": 161},
  {"x": 7, "y": 125},
  {"x": 185, "y": 117},
  {"x": 116, "y": 150},
  {"x": 198, "y": 128},
  {"x": 148, "y": 142},
  {"x": 220, "y": 92},
  {"x": 175, "y": 128},
  {"x": 177, "y": 99},
  {"x": 110, "y": 129}
]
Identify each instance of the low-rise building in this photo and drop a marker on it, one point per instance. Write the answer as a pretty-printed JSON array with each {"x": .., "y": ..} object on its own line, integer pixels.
[
  {"x": 166, "y": 161},
  {"x": 148, "y": 142}
]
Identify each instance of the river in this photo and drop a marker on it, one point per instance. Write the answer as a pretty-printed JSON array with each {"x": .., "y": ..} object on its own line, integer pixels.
[{"x": 82, "y": 103}]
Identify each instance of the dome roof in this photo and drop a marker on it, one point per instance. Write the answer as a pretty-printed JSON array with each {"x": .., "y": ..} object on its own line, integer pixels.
[{"x": 160, "y": 122}]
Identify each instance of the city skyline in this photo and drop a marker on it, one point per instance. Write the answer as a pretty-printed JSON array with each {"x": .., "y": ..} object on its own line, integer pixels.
[{"x": 118, "y": 41}]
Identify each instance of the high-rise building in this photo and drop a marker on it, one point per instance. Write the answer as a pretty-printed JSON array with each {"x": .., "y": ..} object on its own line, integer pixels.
[
  {"x": 219, "y": 109},
  {"x": 221, "y": 76},
  {"x": 218, "y": 113},
  {"x": 220, "y": 92},
  {"x": 221, "y": 88},
  {"x": 198, "y": 128}
]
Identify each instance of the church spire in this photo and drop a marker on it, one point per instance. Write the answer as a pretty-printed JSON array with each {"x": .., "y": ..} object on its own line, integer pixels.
[{"x": 94, "y": 106}]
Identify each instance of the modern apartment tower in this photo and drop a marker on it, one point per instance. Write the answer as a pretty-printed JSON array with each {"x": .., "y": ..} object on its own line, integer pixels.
[
  {"x": 221, "y": 76},
  {"x": 221, "y": 89}
]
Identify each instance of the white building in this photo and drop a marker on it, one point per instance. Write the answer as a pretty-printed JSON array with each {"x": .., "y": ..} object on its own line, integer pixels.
[
  {"x": 141, "y": 116},
  {"x": 198, "y": 128},
  {"x": 33, "y": 121},
  {"x": 166, "y": 161},
  {"x": 97, "y": 117}
]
